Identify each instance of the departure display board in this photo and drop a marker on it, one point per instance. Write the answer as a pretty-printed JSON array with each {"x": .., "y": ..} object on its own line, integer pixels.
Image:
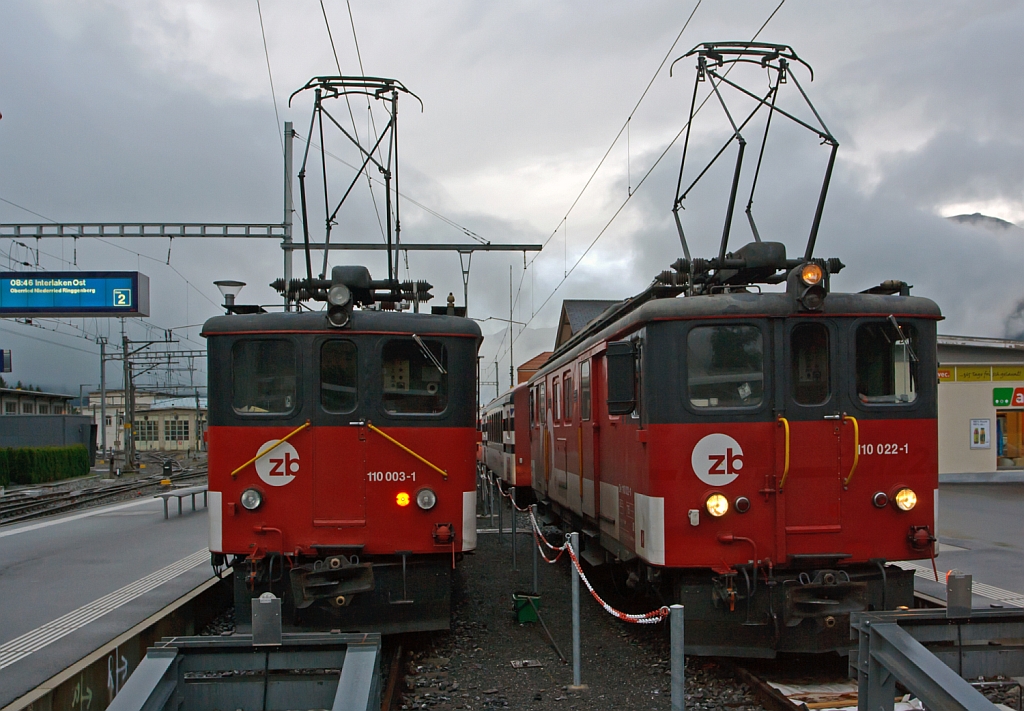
[{"x": 71, "y": 294}]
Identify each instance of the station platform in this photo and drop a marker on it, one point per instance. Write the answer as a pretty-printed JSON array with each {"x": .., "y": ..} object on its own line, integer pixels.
[
  {"x": 72, "y": 583},
  {"x": 980, "y": 530}
]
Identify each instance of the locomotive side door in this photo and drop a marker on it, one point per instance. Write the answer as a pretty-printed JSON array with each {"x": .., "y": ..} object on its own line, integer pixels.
[
  {"x": 339, "y": 470},
  {"x": 810, "y": 492}
]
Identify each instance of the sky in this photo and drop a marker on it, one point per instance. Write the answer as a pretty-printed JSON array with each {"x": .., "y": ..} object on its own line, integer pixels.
[{"x": 547, "y": 123}]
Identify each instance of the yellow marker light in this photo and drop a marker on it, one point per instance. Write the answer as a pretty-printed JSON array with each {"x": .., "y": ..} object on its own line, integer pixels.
[
  {"x": 717, "y": 505},
  {"x": 811, "y": 274},
  {"x": 402, "y": 499},
  {"x": 905, "y": 499}
]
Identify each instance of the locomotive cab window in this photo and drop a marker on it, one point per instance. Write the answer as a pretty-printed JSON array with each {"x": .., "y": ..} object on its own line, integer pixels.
[
  {"x": 809, "y": 363},
  {"x": 263, "y": 376},
  {"x": 887, "y": 363},
  {"x": 568, "y": 396},
  {"x": 725, "y": 366},
  {"x": 338, "y": 376},
  {"x": 415, "y": 378}
]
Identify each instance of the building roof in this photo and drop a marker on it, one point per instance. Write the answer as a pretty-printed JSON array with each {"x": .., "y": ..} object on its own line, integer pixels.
[
  {"x": 527, "y": 369},
  {"x": 972, "y": 350},
  {"x": 34, "y": 393},
  {"x": 576, "y": 314}
]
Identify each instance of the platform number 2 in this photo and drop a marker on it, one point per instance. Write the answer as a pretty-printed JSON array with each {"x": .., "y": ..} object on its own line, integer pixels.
[{"x": 122, "y": 297}]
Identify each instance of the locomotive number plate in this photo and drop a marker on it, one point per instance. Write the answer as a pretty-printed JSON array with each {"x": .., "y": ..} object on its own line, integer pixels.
[
  {"x": 888, "y": 448},
  {"x": 391, "y": 476}
]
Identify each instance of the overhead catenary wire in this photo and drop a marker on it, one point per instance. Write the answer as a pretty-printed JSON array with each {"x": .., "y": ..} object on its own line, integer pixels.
[
  {"x": 273, "y": 94},
  {"x": 629, "y": 197}
]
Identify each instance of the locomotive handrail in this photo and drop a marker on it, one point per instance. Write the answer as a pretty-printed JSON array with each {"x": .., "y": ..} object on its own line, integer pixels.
[
  {"x": 856, "y": 448},
  {"x": 392, "y": 440},
  {"x": 785, "y": 466},
  {"x": 270, "y": 449}
]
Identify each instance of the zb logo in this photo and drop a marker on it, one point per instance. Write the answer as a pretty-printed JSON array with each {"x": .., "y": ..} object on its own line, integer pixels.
[
  {"x": 717, "y": 459},
  {"x": 279, "y": 465}
]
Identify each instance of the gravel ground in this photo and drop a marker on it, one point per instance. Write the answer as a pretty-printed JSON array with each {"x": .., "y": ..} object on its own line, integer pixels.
[{"x": 624, "y": 666}]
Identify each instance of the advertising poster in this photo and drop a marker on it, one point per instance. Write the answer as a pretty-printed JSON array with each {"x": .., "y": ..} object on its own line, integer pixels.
[{"x": 981, "y": 436}]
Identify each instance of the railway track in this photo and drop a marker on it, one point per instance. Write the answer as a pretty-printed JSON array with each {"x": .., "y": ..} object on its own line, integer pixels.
[{"x": 28, "y": 504}]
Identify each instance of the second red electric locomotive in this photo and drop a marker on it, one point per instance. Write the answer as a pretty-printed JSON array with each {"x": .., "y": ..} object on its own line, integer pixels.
[{"x": 341, "y": 458}]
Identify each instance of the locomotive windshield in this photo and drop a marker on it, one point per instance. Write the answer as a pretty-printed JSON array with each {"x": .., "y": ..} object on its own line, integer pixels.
[
  {"x": 725, "y": 366},
  {"x": 263, "y": 376},
  {"x": 338, "y": 376},
  {"x": 412, "y": 381},
  {"x": 887, "y": 363}
]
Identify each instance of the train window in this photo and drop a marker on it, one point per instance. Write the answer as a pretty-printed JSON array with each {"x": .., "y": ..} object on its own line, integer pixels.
[
  {"x": 568, "y": 394},
  {"x": 533, "y": 404},
  {"x": 556, "y": 412},
  {"x": 543, "y": 404},
  {"x": 338, "y": 376},
  {"x": 725, "y": 366},
  {"x": 415, "y": 378},
  {"x": 809, "y": 364},
  {"x": 585, "y": 390},
  {"x": 263, "y": 376},
  {"x": 887, "y": 364}
]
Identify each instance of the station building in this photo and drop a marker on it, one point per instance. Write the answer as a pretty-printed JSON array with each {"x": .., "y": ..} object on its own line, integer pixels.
[
  {"x": 981, "y": 405},
  {"x": 163, "y": 422},
  {"x": 15, "y": 401}
]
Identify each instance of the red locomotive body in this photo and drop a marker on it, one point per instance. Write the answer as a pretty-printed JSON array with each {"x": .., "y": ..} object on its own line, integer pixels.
[
  {"x": 754, "y": 459},
  {"x": 341, "y": 465}
]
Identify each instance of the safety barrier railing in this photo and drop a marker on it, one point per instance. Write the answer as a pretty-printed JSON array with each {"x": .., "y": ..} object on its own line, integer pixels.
[{"x": 543, "y": 548}]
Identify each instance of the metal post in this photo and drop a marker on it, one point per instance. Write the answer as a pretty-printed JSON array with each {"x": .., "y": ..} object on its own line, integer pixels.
[
  {"x": 498, "y": 498},
  {"x": 103, "y": 394},
  {"x": 536, "y": 554},
  {"x": 512, "y": 513},
  {"x": 129, "y": 408},
  {"x": 676, "y": 658},
  {"x": 289, "y": 135},
  {"x": 574, "y": 542}
]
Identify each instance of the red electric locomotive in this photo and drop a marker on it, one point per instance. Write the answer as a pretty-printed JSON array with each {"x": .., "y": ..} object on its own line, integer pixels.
[
  {"x": 341, "y": 458},
  {"x": 758, "y": 457}
]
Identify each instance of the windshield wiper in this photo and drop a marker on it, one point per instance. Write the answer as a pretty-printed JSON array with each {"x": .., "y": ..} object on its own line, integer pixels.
[
  {"x": 428, "y": 354},
  {"x": 910, "y": 348}
]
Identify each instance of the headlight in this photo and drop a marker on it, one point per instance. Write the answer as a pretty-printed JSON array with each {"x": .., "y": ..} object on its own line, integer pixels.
[
  {"x": 811, "y": 274},
  {"x": 402, "y": 498},
  {"x": 338, "y": 295},
  {"x": 905, "y": 499},
  {"x": 251, "y": 499},
  {"x": 425, "y": 499},
  {"x": 717, "y": 505}
]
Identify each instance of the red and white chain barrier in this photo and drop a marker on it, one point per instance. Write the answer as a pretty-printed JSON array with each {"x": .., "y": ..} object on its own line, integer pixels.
[{"x": 647, "y": 618}]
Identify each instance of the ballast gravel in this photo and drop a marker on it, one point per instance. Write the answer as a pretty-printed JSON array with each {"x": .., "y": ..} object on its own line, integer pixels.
[{"x": 624, "y": 666}]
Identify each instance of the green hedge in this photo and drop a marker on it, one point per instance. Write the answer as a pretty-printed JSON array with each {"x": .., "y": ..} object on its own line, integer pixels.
[{"x": 36, "y": 465}]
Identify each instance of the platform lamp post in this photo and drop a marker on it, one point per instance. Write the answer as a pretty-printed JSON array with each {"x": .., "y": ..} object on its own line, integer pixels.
[{"x": 229, "y": 289}]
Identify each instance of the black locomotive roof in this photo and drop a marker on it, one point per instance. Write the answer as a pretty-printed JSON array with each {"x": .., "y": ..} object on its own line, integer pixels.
[
  {"x": 361, "y": 321},
  {"x": 748, "y": 305}
]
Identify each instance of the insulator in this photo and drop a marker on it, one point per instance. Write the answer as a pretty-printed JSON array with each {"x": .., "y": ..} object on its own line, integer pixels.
[
  {"x": 277, "y": 285},
  {"x": 699, "y": 266},
  {"x": 666, "y": 277},
  {"x": 834, "y": 265}
]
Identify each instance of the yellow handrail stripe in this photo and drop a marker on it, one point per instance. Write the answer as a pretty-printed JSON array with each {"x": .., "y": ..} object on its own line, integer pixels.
[
  {"x": 856, "y": 448},
  {"x": 392, "y": 440},
  {"x": 785, "y": 466},
  {"x": 270, "y": 449}
]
